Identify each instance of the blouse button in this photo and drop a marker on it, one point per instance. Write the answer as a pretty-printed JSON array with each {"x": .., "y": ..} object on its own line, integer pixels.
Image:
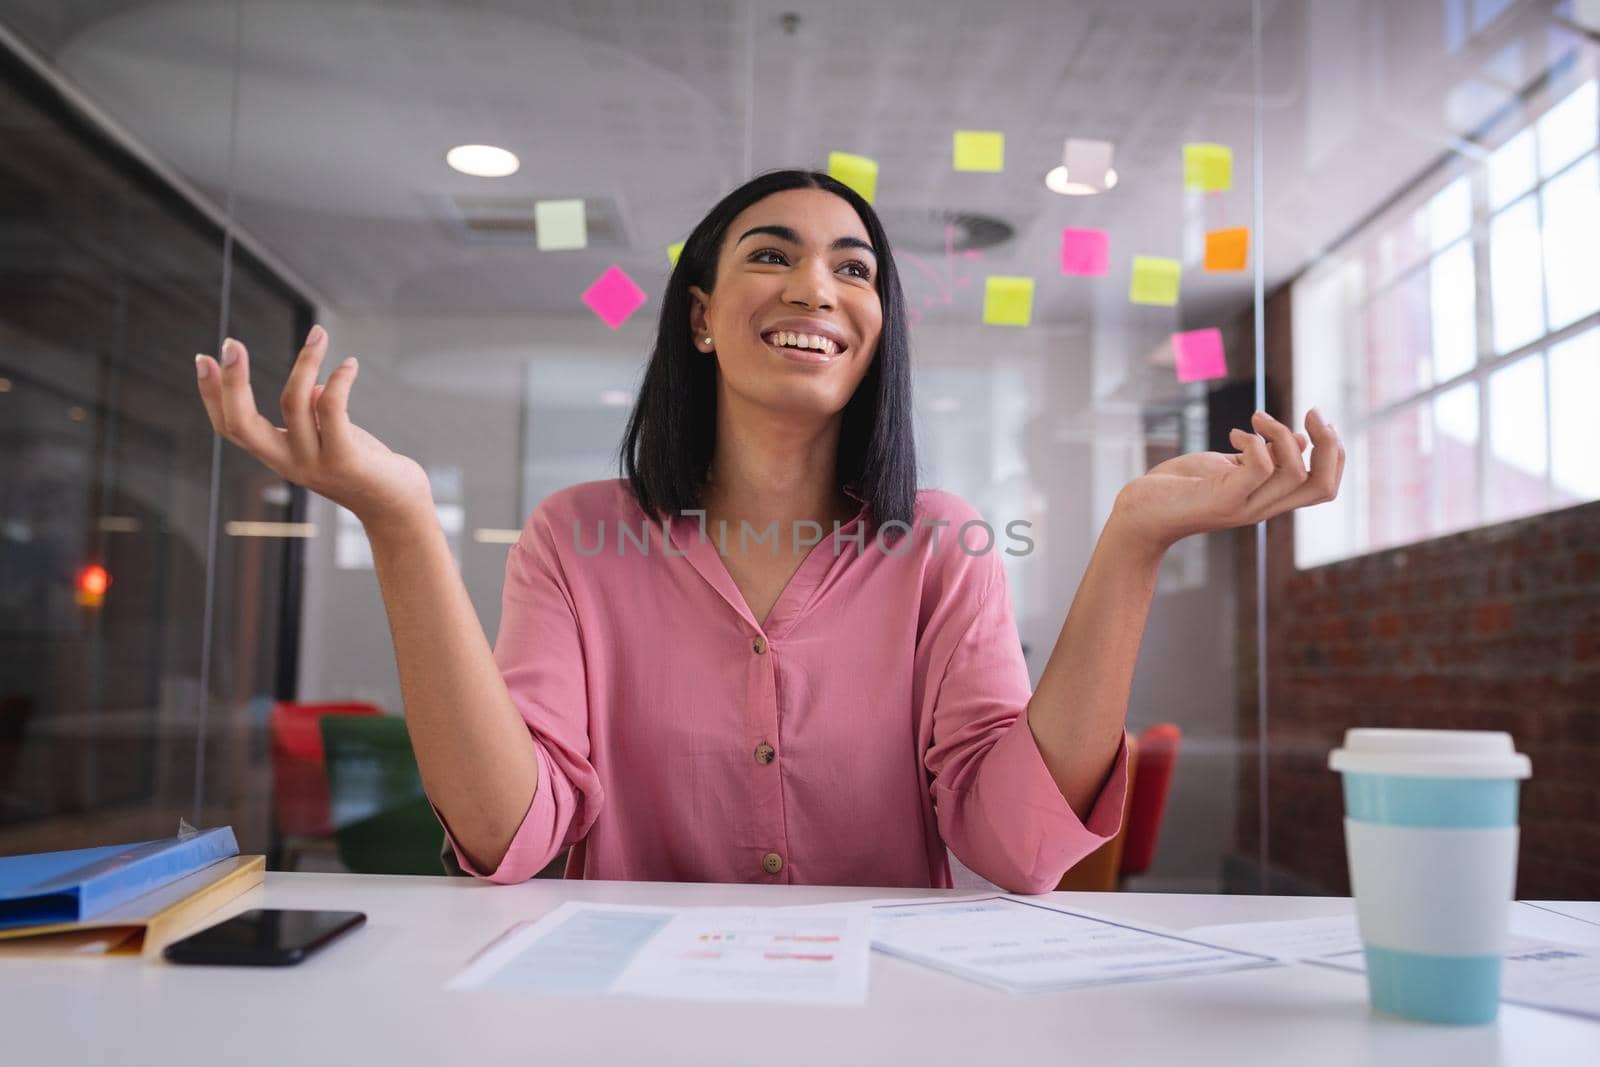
[
  {"x": 772, "y": 863},
  {"x": 759, "y": 644},
  {"x": 765, "y": 752}
]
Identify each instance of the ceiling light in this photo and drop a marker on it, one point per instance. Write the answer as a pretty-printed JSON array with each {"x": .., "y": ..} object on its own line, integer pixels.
[
  {"x": 1057, "y": 181},
  {"x": 482, "y": 160},
  {"x": 616, "y": 398},
  {"x": 270, "y": 529}
]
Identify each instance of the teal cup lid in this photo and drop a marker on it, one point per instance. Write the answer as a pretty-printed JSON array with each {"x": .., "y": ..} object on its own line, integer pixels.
[{"x": 1430, "y": 754}]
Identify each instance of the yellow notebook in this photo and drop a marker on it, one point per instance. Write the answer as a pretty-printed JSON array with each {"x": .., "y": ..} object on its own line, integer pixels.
[{"x": 144, "y": 925}]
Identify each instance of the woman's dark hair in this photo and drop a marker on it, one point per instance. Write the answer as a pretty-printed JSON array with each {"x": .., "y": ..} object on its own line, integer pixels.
[{"x": 667, "y": 450}]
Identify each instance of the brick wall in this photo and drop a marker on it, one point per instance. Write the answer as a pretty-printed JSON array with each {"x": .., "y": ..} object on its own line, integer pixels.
[{"x": 1493, "y": 629}]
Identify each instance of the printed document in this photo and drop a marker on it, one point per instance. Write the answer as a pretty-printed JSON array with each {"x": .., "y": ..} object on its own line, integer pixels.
[
  {"x": 1536, "y": 973},
  {"x": 795, "y": 955},
  {"x": 1024, "y": 945}
]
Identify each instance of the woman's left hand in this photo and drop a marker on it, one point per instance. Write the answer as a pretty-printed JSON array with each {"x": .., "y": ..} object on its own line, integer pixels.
[{"x": 1205, "y": 491}]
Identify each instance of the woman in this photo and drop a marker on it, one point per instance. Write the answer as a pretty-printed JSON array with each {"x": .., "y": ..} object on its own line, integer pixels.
[{"x": 833, "y": 706}]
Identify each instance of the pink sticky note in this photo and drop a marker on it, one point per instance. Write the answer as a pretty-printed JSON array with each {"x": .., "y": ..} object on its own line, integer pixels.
[
  {"x": 1084, "y": 251},
  {"x": 1199, "y": 355},
  {"x": 613, "y": 296}
]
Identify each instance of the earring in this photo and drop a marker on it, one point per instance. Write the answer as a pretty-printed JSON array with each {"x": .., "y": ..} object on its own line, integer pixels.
[{"x": 708, "y": 341}]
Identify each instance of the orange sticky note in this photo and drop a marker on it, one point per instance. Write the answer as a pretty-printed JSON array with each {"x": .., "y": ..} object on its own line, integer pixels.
[{"x": 1227, "y": 249}]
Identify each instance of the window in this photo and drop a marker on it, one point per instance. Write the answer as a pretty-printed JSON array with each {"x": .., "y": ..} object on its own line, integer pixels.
[{"x": 1455, "y": 341}]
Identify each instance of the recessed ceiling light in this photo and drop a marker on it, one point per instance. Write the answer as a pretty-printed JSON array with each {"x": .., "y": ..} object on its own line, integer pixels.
[
  {"x": 482, "y": 160},
  {"x": 1058, "y": 182}
]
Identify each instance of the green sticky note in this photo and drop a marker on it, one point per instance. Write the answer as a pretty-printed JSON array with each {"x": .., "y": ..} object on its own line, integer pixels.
[
  {"x": 858, "y": 172},
  {"x": 559, "y": 225},
  {"x": 674, "y": 250},
  {"x": 980, "y": 150},
  {"x": 1007, "y": 301},
  {"x": 1155, "y": 281},
  {"x": 1208, "y": 167}
]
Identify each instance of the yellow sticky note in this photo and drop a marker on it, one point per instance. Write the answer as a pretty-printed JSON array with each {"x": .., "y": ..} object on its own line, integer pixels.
[
  {"x": 559, "y": 224},
  {"x": 980, "y": 150},
  {"x": 858, "y": 172},
  {"x": 1007, "y": 301},
  {"x": 1155, "y": 281},
  {"x": 1227, "y": 249},
  {"x": 1208, "y": 167},
  {"x": 674, "y": 250}
]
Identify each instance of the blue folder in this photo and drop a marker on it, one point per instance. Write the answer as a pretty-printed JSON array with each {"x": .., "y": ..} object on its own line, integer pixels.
[{"x": 80, "y": 883}]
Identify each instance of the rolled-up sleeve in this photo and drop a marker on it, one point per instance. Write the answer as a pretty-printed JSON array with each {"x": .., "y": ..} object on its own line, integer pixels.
[
  {"x": 997, "y": 805},
  {"x": 540, "y": 656}
]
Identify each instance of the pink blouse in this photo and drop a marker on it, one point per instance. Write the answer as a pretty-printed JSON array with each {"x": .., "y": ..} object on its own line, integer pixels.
[{"x": 876, "y": 717}]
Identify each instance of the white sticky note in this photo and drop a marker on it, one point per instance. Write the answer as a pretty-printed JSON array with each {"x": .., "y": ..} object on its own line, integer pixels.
[
  {"x": 559, "y": 225},
  {"x": 1087, "y": 161}
]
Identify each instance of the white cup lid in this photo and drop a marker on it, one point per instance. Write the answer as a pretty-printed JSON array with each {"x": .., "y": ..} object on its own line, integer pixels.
[{"x": 1430, "y": 754}]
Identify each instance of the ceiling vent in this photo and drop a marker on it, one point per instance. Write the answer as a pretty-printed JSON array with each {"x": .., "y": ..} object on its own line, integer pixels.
[
  {"x": 933, "y": 231},
  {"x": 478, "y": 219}
]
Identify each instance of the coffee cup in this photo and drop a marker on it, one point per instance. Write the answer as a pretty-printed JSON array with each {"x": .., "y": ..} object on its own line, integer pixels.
[{"x": 1431, "y": 837}]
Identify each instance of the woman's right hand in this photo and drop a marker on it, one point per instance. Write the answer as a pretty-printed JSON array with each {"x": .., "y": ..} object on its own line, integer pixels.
[{"x": 318, "y": 446}]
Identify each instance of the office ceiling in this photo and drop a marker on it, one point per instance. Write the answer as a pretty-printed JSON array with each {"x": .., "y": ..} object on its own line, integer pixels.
[{"x": 331, "y": 153}]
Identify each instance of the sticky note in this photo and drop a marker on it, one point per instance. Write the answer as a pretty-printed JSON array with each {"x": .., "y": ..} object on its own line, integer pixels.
[
  {"x": 674, "y": 250},
  {"x": 613, "y": 296},
  {"x": 980, "y": 150},
  {"x": 559, "y": 225},
  {"x": 1227, "y": 249},
  {"x": 1084, "y": 251},
  {"x": 1199, "y": 355},
  {"x": 1155, "y": 281},
  {"x": 1087, "y": 161},
  {"x": 1007, "y": 300},
  {"x": 858, "y": 172},
  {"x": 1208, "y": 167}
]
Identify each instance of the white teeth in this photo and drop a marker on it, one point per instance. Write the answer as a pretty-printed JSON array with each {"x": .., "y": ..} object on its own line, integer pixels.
[{"x": 814, "y": 341}]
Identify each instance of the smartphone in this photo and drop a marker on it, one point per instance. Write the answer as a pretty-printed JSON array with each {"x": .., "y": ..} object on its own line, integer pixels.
[{"x": 264, "y": 937}]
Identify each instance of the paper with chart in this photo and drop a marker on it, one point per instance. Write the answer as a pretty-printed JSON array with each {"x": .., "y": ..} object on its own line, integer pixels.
[
  {"x": 1023, "y": 945},
  {"x": 1536, "y": 973},
  {"x": 795, "y": 955}
]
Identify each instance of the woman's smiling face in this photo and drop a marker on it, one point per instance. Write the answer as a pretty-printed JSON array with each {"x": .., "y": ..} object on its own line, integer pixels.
[{"x": 794, "y": 316}]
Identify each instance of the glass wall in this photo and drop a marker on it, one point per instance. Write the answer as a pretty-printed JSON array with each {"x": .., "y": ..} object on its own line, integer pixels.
[
  {"x": 108, "y": 493},
  {"x": 1121, "y": 227},
  {"x": 1439, "y": 163}
]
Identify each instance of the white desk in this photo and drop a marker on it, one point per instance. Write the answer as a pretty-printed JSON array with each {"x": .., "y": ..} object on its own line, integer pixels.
[{"x": 376, "y": 997}]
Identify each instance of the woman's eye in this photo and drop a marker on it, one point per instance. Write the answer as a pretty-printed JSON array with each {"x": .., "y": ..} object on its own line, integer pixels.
[
  {"x": 767, "y": 255},
  {"x": 861, "y": 270}
]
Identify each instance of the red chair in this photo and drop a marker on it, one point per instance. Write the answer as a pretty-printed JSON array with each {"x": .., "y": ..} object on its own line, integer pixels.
[
  {"x": 1158, "y": 751},
  {"x": 300, "y": 807}
]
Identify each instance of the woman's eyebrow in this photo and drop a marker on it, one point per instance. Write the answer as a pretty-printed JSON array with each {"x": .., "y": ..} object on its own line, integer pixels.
[{"x": 785, "y": 233}]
